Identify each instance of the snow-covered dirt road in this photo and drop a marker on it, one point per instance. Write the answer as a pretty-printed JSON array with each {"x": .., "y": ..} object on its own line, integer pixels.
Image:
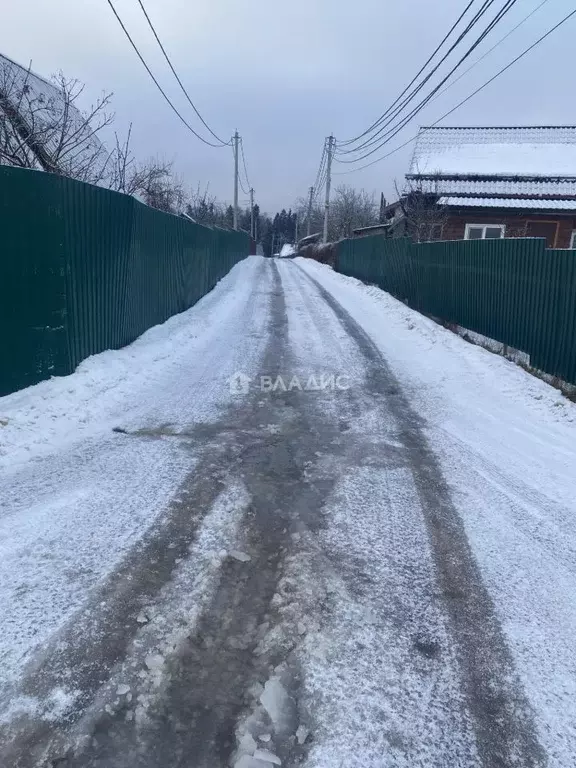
[{"x": 297, "y": 525}]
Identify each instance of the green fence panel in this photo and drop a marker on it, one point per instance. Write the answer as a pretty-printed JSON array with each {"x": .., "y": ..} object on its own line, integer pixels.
[
  {"x": 33, "y": 341},
  {"x": 513, "y": 290},
  {"x": 84, "y": 269}
]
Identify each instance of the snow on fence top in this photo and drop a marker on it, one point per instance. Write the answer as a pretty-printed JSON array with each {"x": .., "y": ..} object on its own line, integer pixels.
[{"x": 527, "y": 152}]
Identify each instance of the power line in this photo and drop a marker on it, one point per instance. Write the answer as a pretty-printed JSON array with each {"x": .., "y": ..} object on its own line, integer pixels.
[
  {"x": 321, "y": 173},
  {"x": 488, "y": 52},
  {"x": 471, "y": 96},
  {"x": 380, "y": 138},
  {"x": 141, "y": 4},
  {"x": 411, "y": 83},
  {"x": 396, "y": 129},
  {"x": 321, "y": 182},
  {"x": 245, "y": 170},
  {"x": 398, "y": 109},
  {"x": 133, "y": 44},
  {"x": 245, "y": 191}
]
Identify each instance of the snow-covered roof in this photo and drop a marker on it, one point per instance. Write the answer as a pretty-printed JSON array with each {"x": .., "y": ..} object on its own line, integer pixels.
[
  {"x": 38, "y": 103},
  {"x": 514, "y": 151},
  {"x": 510, "y": 202},
  {"x": 549, "y": 187}
]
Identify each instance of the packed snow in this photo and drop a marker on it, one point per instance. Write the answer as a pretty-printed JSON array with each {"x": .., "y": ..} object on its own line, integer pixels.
[
  {"x": 507, "y": 445},
  {"x": 287, "y": 250},
  {"x": 114, "y": 388},
  {"x": 343, "y": 646},
  {"x": 77, "y": 496}
]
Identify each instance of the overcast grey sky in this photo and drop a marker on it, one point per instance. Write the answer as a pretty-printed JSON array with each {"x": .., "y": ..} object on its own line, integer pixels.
[{"x": 286, "y": 74}]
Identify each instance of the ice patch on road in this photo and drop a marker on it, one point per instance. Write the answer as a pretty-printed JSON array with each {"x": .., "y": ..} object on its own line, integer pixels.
[{"x": 277, "y": 704}]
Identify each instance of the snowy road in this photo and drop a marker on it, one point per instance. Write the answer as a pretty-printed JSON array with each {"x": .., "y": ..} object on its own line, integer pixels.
[{"x": 364, "y": 557}]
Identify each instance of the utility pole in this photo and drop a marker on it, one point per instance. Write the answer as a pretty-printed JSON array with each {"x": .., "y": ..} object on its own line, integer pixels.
[
  {"x": 236, "y": 140},
  {"x": 328, "y": 183},
  {"x": 310, "y": 203},
  {"x": 273, "y": 238},
  {"x": 252, "y": 233},
  {"x": 296, "y": 232}
]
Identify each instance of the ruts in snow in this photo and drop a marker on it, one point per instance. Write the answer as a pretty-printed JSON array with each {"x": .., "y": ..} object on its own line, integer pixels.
[{"x": 272, "y": 573}]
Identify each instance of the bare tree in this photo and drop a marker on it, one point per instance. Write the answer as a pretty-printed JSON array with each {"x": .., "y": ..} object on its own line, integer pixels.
[
  {"x": 160, "y": 188},
  {"x": 424, "y": 216},
  {"x": 42, "y": 127},
  {"x": 351, "y": 208},
  {"x": 122, "y": 170},
  {"x": 316, "y": 218},
  {"x": 153, "y": 181},
  {"x": 205, "y": 208}
]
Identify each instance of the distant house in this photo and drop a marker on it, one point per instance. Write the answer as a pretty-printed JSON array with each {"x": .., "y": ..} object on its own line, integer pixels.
[
  {"x": 375, "y": 229},
  {"x": 478, "y": 183}
]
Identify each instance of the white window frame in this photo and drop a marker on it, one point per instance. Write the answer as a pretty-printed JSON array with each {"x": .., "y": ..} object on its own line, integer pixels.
[
  {"x": 573, "y": 240},
  {"x": 484, "y": 227}
]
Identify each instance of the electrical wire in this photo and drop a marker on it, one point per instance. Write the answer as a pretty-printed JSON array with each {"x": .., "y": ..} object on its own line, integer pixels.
[
  {"x": 464, "y": 101},
  {"x": 380, "y": 138},
  {"x": 414, "y": 79},
  {"x": 398, "y": 109},
  {"x": 396, "y": 129},
  {"x": 185, "y": 92},
  {"x": 245, "y": 191},
  {"x": 488, "y": 52},
  {"x": 321, "y": 173},
  {"x": 133, "y": 44},
  {"x": 244, "y": 164}
]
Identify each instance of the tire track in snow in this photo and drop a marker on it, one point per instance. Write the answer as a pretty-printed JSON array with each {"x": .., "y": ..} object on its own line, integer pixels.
[
  {"x": 80, "y": 657},
  {"x": 504, "y": 726},
  {"x": 210, "y": 677},
  {"x": 271, "y": 446}
]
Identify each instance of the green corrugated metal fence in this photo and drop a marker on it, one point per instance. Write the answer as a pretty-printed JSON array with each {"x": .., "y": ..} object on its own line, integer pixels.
[
  {"x": 83, "y": 269},
  {"x": 513, "y": 290}
]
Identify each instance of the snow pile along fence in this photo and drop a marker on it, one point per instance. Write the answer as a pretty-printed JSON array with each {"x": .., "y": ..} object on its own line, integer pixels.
[
  {"x": 513, "y": 290},
  {"x": 84, "y": 269}
]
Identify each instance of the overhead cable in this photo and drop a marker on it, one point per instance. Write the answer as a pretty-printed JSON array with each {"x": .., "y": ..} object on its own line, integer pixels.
[
  {"x": 525, "y": 52},
  {"x": 380, "y": 139},
  {"x": 377, "y": 137},
  {"x": 157, "y": 84}
]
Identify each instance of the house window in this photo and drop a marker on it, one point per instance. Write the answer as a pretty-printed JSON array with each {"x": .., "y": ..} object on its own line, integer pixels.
[
  {"x": 484, "y": 231},
  {"x": 573, "y": 239}
]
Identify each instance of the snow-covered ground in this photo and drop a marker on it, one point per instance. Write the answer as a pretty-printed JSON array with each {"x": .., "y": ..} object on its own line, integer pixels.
[
  {"x": 507, "y": 444},
  {"x": 75, "y": 495},
  {"x": 373, "y": 572},
  {"x": 115, "y": 388}
]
